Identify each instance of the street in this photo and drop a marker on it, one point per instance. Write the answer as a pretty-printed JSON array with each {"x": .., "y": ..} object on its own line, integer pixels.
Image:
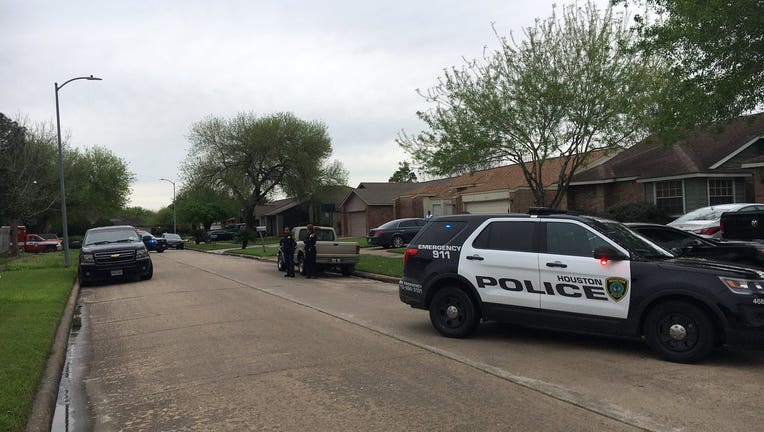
[{"x": 226, "y": 343}]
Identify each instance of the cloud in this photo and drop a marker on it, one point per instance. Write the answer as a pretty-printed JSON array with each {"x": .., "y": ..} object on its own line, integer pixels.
[{"x": 166, "y": 65}]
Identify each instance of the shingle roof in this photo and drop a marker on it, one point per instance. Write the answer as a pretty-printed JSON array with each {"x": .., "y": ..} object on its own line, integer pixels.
[
  {"x": 276, "y": 207},
  {"x": 695, "y": 154},
  {"x": 506, "y": 177},
  {"x": 382, "y": 193}
]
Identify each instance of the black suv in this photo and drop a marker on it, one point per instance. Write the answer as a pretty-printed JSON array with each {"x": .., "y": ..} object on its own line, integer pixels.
[
  {"x": 578, "y": 273},
  {"x": 113, "y": 252}
]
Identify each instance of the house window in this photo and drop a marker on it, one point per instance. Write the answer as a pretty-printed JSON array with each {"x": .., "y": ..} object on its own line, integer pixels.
[
  {"x": 669, "y": 196},
  {"x": 721, "y": 191}
]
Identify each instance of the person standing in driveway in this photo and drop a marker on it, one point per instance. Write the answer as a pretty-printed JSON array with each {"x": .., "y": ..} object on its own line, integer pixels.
[
  {"x": 309, "y": 267},
  {"x": 288, "y": 246}
]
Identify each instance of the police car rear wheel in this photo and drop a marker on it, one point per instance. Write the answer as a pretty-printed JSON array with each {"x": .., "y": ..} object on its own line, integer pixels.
[
  {"x": 453, "y": 313},
  {"x": 680, "y": 332}
]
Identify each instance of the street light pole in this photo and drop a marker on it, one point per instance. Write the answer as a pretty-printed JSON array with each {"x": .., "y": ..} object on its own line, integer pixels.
[
  {"x": 174, "y": 221},
  {"x": 61, "y": 166}
]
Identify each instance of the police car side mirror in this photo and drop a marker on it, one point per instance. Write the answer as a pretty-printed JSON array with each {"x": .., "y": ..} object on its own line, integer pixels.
[
  {"x": 608, "y": 253},
  {"x": 146, "y": 237}
]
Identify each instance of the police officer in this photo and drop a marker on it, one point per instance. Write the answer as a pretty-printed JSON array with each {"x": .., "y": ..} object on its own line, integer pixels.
[
  {"x": 288, "y": 246},
  {"x": 309, "y": 267}
]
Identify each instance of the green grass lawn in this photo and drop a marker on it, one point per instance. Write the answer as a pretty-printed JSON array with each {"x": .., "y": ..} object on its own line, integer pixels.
[
  {"x": 33, "y": 293},
  {"x": 381, "y": 265},
  {"x": 213, "y": 246},
  {"x": 257, "y": 251},
  {"x": 231, "y": 244}
]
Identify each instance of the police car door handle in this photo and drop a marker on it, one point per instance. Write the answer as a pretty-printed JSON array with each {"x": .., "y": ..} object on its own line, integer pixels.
[
  {"x": 475, "y": 257},
  {"x": 556, "y": 264}
]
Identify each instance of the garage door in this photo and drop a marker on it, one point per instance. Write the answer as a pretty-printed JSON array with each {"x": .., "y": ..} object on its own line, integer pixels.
[
  {"x": 357, "y": 226},
  {"x": 482, "y": 207}
]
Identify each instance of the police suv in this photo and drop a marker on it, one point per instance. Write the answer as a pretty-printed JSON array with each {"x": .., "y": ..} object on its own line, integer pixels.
[{"x": 578, "y": 273}]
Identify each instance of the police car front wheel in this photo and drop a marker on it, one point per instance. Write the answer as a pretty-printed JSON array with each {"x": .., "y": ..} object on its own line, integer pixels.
[
  {"x": 680, "y": 332},
  {"x": 453, "y": 312}
]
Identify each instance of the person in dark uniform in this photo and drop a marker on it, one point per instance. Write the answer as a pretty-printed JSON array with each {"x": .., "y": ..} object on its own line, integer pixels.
[
  {"x": 309, "y": 267},
  {"x": 288, "y": 246}
]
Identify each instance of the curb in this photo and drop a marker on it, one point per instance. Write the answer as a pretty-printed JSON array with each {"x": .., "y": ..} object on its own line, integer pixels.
[{"x": 44, "y": 404}]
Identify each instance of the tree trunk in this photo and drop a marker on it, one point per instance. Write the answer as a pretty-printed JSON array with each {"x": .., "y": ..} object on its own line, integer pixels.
[{"x": 14, "y": 249}]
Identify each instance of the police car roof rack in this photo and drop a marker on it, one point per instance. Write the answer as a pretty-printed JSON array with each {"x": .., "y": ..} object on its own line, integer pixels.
[{"x": 547, "y": 211}]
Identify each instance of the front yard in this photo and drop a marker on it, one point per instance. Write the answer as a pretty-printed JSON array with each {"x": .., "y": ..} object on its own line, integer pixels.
[{"x": 33, "y": 294}]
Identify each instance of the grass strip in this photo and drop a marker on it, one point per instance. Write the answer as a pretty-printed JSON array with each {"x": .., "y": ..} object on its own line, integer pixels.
[
  {"x": 33, "y": 294},
  {"x": 380, "y": 265},
  {"x": 257, "y": 251}
]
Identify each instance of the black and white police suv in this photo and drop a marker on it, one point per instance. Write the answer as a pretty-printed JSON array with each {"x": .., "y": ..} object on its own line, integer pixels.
[{"x": 578, "y": 273}]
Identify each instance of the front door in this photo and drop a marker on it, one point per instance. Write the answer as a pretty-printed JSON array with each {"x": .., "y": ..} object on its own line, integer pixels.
[{"x": 573, "y": 280}]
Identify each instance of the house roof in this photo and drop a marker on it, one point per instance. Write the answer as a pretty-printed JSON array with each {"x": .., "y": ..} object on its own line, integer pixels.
[
  {"x": 276, "y": 207},
  {"x": 703, "y": 151},
  {"x": 380, "y": 193},
  {"x": 506, "y": 177}
]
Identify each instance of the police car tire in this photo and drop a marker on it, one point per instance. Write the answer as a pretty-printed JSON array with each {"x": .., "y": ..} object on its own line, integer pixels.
[
  {"x": 700, "y": 336},
  {"x": 466, "y": 317}
]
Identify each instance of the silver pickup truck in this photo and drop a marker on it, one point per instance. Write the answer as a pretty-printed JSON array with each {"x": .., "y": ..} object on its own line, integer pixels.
[{"x": 330, "y": 253}]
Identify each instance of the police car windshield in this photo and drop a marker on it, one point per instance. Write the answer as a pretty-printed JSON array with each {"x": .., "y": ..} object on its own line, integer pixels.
[{"x": 633, "y": 242}]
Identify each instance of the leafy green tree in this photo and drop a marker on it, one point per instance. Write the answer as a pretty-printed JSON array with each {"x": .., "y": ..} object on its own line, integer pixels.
[
  {"x": 253, "y": 158},
  {"x": 97, "y": 184},
  {"x": 403, "y": 174},
  {"x": 200, "y": 204},
  {"x": 569, "y": 88},
  {"x": 138, "y": 216},
  {"x": 715, "y": 49},
  {"x": 28, "y": 175}
]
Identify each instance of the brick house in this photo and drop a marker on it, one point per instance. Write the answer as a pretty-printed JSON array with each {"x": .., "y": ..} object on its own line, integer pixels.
[
  {"x": 323, "y": 209},
  {"x": 715, "y": 165},
  {"x": 495, "y": 190},
  {"x": 369, "y": 206}
]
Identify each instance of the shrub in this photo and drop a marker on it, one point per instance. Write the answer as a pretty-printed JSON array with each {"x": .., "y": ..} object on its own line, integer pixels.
[{"x": 637, "y": 212}]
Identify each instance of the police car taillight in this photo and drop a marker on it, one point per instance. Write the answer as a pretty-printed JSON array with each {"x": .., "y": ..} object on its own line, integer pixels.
[{"x": 410, "y": 252}]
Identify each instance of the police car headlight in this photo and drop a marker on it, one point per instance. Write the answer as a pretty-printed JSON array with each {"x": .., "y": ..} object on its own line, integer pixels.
[
  {"x": 743, "y": 286},
  {"x": 141, "y": 253},
  {"x": 87, "y": 258}
]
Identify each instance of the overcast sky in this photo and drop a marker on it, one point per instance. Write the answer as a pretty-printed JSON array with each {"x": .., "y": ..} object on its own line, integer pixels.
[{"x": 165, "y": 65}]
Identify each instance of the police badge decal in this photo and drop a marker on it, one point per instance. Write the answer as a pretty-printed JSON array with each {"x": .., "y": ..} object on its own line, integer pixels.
[{"x": 617, "y": 288}]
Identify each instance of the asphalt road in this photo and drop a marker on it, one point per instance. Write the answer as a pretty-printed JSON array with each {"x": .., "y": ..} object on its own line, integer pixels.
[{"x": 226, "y": 343}]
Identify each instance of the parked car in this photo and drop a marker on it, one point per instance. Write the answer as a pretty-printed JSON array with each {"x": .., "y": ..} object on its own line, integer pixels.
[
  {"x": 706, "y": 221},
  {"x": 50, "y": 236},
  {"x": 174, "y": 240},
  {"x": 580, "y": 274},
  {"x": 686, "y": 244},
  {"x": 743, "y": 225},
  {"x": 35, "y": 243},
  {"x": 395, "y": 233},
  {"x": 152, "y": 243},
  {"x": 113, "y": 252},
  {"x": 219, "y": 234}
]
